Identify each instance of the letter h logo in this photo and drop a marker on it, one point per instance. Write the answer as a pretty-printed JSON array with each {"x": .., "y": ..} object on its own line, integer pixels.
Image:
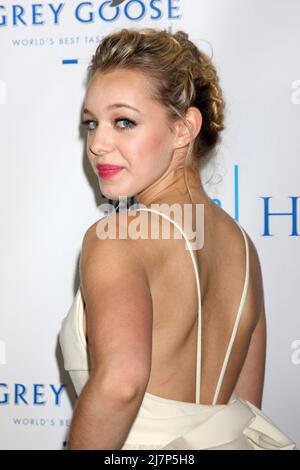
[{"x": 293, "y": 214}]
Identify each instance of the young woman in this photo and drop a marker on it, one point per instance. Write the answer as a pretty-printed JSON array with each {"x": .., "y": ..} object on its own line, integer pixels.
[{"x": 157, "y": 362}]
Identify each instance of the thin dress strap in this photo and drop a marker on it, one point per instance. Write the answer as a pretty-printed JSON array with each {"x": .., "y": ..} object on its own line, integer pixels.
[
  {"x": 198, "y": 361},
  {"x": 236, "y": 324}
]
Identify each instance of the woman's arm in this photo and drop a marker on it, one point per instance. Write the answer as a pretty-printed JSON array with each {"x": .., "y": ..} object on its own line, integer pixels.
[
  {"x": 119, "y": 325},
  {"x": 251, "y": 379}
]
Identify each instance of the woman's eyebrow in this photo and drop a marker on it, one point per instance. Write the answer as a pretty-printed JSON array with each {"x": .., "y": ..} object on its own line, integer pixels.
[{"x": 114, "y": 105}]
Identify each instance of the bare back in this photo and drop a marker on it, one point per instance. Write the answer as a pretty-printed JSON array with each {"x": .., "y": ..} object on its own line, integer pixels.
[{"x": 221, "y": 264}]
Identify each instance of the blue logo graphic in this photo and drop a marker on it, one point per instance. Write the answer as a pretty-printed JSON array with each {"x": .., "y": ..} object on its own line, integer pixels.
[
  {"x": 292, "y": 214},
  {"x": 41, "y": 14},
  {"x": 20, "y": 395}
]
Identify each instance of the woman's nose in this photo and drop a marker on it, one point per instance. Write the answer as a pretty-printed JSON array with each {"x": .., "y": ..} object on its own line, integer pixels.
[{"x": 100, "y": 142}]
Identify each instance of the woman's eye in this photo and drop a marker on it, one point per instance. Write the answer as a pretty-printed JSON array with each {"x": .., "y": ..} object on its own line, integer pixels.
[
  {"x": 128, "y": 121},
  {"x": 87, "y": 124}
]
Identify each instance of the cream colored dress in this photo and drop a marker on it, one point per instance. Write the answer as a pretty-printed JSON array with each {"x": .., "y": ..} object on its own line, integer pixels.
[{"x": 163, "y": 423}]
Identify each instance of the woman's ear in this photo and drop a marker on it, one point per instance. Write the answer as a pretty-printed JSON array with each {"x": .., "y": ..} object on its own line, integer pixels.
[{"x": 185, "y": 135}]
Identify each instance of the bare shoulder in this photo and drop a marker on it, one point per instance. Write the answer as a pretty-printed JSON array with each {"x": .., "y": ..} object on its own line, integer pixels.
[
  {"x": 110, "y": 230},
  {"x": 109, "y": 226},
  {"x": 113, "y": 239},
  {"x": 133, "y": 230}
]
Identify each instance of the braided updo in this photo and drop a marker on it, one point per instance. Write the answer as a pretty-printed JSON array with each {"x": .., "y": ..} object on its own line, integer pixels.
[{"x": 183, "y": 76}]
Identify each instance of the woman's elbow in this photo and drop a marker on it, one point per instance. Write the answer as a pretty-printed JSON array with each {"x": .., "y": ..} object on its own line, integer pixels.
[{"x": 119, "y": 385}]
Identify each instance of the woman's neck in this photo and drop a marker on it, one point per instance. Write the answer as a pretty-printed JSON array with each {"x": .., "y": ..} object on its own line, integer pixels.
[{"x": 171, "y": 187}]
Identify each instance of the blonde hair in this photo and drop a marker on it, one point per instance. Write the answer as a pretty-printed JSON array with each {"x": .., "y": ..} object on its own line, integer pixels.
[{"x": 181, "y": 74}]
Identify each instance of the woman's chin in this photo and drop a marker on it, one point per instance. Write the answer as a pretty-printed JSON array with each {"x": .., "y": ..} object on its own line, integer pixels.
[{"x": 114, "y": 195}]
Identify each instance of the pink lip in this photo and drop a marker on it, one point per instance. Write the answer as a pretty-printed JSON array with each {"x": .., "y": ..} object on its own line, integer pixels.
[{"x": 106, "y": 171}]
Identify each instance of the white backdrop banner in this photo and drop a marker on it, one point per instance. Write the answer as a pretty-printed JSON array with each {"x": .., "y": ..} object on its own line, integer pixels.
[{"x": 50, "y": 196}]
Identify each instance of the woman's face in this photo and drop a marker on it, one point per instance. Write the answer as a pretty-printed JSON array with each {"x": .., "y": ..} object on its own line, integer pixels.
[{"x": 139, "y": 140}]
